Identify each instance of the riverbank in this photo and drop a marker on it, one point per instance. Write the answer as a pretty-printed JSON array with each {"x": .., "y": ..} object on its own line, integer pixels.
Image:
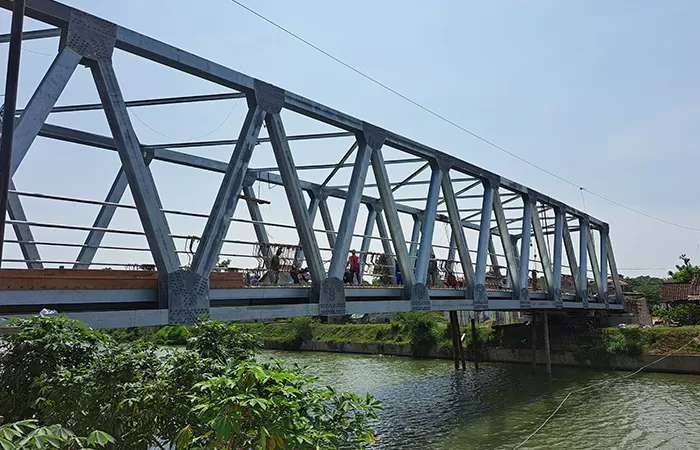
[{"x": 427, "y": 335}]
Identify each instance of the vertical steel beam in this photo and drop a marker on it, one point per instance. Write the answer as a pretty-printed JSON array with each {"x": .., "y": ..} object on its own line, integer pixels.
[
  {"x": 458, "y": 234},
  {"x": 327, "y": 221},
  {"x": 570, "y": 253},
  {"x": 603, "y": 286},
  {"x": 295, "y": 196},
  {"x": 509, "y": 250},
  {"x": 350, "y": 210},
  {"x": 542, "y": 250},
  {"x": 141, "y": 183},
  {"x": 227, "y": 197},
  {"x": 366, "y": 238},
  {"x": 593, "y": 258},
  {"x": 392, "y": 216},
  {"x": 426, "y": 236},
  {"x": 583, "y": 236},
  {"x": 557, "y": 256},
  {"x": 480, "y": 296},
  {"x": 524, "y": 266},
  {"x": 619, "y": 295}
]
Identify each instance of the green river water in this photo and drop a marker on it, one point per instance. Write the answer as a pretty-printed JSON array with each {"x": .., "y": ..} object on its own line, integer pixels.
[{"x": 429, "y": 405}]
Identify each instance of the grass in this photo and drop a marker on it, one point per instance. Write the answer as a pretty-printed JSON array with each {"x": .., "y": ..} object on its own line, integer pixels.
[{"x": 426, "y": 332}]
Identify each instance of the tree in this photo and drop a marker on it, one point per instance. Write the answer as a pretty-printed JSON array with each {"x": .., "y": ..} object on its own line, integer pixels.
[
  {"x": 211, "y": 393},
  {"x": 686, "y": 272},
  {"x": 648, "y": 286}
]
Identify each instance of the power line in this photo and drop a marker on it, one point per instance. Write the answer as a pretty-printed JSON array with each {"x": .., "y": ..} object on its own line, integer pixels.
[{"x": 455, "y": 124}]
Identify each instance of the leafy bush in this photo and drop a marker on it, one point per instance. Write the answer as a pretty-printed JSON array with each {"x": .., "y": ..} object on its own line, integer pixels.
[
  {"x": 682, "y": 314},
  {"x": 26, "y": 434},
  {"x": 172, "y": 335},
  {"x": 210, "y": 394},
  {"x": 421, "y": 327},
  {"x": 42, "y": 345}
]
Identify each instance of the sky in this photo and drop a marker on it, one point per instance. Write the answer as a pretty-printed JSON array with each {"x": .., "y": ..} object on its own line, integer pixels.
[{"x": 604, "y": 94}]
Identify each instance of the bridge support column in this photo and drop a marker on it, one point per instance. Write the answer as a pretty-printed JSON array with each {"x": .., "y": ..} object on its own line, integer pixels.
[
  {"x": 533, "y": 338},
  {"x": 547, "y": 350},
  {"x": 458, "y": 354},
  {"x": 476, "y": 345}
]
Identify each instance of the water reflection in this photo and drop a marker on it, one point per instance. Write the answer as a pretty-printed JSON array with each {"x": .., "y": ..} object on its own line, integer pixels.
[{"x": 428, "y": 405}]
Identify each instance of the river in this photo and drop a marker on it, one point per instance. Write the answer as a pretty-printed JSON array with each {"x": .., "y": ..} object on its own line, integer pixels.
[{"x": 429, "y": 405}]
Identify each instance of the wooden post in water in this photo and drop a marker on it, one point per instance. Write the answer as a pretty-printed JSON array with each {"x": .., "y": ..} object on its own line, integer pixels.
[
  {"x": 533, "y": 338},
  {"x": 454, "y": 332},
  {"x": 462, "y": 353},
  {"x": 547, "y": 354},
  {"x": 475, "y": 344}
]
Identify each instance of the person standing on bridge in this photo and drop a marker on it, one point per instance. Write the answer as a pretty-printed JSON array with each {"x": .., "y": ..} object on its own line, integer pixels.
[
  {"x": 275, "y": 266},
  {"x": 353, "y": 267}
]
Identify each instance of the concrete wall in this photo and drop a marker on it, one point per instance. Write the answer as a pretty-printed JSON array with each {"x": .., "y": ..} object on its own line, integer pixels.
[{"x": 675, "y": 363}]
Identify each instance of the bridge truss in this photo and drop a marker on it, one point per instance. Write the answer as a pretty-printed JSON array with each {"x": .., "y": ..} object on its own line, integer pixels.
[{"x": 505, "y": 252}]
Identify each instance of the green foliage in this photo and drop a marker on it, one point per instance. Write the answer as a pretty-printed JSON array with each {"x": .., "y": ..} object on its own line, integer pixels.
[
  {"x": 222, "y": 342},
  {"x": 688, "y": 314},
  {"x": 172, "y": 335},
  {"x": 270, "y": 407},
  {"x": 648, "y": 286},
  {"x": 27, "y": 434},
  {"x": 421, "y": 327},
  {"x": 209, "y": 394},
  {"x": 42, "y": 345},
  {"x": 686, "y": 272}
]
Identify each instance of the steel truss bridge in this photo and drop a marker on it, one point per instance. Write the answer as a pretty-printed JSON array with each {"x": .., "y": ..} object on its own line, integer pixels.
[{"x": 511, "y": 234}]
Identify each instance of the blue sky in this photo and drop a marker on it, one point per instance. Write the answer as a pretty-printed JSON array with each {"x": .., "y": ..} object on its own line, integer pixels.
[{"x": 602, "y": 93}]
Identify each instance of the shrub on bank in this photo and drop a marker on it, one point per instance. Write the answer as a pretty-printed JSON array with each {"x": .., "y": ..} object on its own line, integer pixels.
[{"x": 211, "y": 393}]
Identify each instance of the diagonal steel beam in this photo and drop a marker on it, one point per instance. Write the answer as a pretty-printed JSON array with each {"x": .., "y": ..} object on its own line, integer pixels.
[
  {"x": 257, "y": 218},
  {"x": 410, "y": 177},
  {"x": 557, "y": 255},
  {"x": 295, "y": 196},
  {"x": 327, "y": 220},
  {"x": 542, "y": 250},
  {"x": 458, "y": 237},
  {"x": 141, "y": 183},
  {"x": 366, "y": 238},
  {"x": 511, "y": 254},
  {"x": 583, "y": 239},
  {"x": 227, "y": 198},
  {"x": 340, "y": 164},
  {"x": 392, "y": 217},
  {"x": 350, "y": 210},
  {"x": 23, "y": 232}
]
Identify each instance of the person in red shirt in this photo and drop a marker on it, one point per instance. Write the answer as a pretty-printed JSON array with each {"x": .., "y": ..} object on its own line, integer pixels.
[{"x": 353, "y": 267}]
